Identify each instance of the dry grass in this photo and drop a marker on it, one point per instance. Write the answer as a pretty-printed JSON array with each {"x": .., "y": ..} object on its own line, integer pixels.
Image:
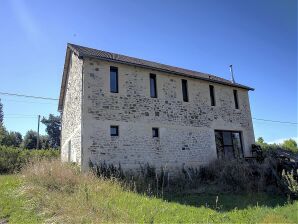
[
  {"x": 61, "y": 194},
  {"x": 67, "y": 196}
]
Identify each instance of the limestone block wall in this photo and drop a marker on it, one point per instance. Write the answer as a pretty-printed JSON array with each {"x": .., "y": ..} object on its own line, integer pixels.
[
  {"x": 186, "y": 128},
  {"x": 71, "y": 116}
]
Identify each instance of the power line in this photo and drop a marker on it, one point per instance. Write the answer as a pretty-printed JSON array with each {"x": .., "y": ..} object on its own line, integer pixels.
[
  {"x": 283, "y": 122},
  {"x": 27, "y": 96},
  {"x": 25, "y": 115},
  {"x": 48, "y": 98},
  {"x": 21, "y": 101}
]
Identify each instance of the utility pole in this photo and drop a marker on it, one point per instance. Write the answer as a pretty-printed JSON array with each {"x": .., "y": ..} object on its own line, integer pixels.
[{"x": 37, "y": 144}]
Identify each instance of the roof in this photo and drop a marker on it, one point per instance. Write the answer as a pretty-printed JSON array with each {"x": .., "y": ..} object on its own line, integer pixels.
[{"x": 85, "y": 52}]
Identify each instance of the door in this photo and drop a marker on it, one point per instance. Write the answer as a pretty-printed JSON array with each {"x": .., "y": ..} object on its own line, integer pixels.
[{"x": 228, "y": 144}]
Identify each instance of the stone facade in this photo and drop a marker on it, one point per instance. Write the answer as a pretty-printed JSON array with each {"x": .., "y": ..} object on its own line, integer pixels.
[
  {"x": 72, "y": 117},
  {"x": 186, "y": 129}
]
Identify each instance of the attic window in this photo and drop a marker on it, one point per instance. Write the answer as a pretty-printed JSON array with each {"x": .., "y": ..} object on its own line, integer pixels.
[
  {"x": 212, "y": 95},
  {"x": 153, "y": 90},
  {"x": 184, "y": 90},
  {"x": 114, "y": 79},
  {"x": 236, "y": 98}
]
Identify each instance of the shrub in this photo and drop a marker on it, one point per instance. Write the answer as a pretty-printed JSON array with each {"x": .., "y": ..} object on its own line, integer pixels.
[
  {"x": 219, "y": 176},
  {"x": 53, "y": 175},
  {"x": 291, "y": 181},
  {"x": 13, "y": 159}
]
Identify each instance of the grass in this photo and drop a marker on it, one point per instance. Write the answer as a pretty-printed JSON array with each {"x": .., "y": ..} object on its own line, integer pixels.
[
  {"x": 56, "y": 193},
  {"x": 228, "y": 202},
  {"x": 14, "y": 207}
]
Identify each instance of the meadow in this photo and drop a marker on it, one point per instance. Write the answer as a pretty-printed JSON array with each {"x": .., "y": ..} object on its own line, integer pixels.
[{"x": 52, "y": 192}]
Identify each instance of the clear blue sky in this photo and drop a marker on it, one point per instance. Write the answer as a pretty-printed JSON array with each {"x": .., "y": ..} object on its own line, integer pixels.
[{"x": 259, "y": 37}]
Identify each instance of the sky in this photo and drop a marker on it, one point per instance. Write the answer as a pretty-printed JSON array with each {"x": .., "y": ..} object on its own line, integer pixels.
[{"x": 258, "y": 37}]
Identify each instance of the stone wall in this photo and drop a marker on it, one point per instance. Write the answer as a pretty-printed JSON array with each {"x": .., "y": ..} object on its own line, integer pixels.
[
  {"x": 186, "y": 128},
  {"x": 71, "y": 116}
]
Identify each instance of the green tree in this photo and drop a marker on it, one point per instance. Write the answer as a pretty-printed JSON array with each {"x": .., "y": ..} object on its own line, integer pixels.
[
  {"x": 3, "y": 134},
  {"x": 260, "y": 140},
  {"x": 1, "y": 114},
  {"x": 11, "y": 139},
  {"x": 30, "y": 140},
  {"x": 290, "y": 144},
  {"x": 53, "y": 129},
  {"x": 44, "y": 142}
]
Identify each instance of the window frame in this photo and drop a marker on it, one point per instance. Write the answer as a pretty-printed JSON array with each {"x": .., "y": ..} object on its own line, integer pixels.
[
  {"x": 212, "y": 95},
  {"x": 112, "y": 68},
  {"x": 153, "y": 77},
  {"x": 236, "y": 99},
  {"x": 117, "y": 130},
  {"x": 221, "y": 132},
  {"x": 184, "y": 90},
  {"x": 157, "y": 131}
]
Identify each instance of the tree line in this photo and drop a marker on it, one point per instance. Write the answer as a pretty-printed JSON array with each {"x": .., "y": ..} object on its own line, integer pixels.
[{"x": 29, "y": 140}]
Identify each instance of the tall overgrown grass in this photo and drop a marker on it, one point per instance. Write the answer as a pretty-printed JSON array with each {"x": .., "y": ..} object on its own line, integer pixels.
[
  {"x": 64, "y": 195},
  {"x": 13, "y": 159},
  {"x": 220, "y": 176},
  {"x": 75, "y": 196}
]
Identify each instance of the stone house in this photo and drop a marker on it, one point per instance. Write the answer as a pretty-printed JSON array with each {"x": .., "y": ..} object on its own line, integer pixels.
[{"x": 122, "y": 110}]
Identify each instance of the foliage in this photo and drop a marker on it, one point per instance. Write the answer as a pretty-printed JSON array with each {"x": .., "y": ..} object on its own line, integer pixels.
[
  {"x": 53, "y": 129},
  {"x": 30, "y": 140},
  {"x": 3, "y": 134},
  {"x": 44, "y": 142},
  {"x": 12, "y": 138},
  {"x": 72, "y": 197},
  {"x": 292, "y": 181},
  {"x": 290, "y": 144},
  {"x": 1, "y": 114},
  {"x": 219, "y": 176},
  {"x": 13, "y": 159}
]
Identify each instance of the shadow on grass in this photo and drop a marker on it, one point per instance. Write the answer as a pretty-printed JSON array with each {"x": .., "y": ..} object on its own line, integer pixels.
[{"x": 227, "y": 202}]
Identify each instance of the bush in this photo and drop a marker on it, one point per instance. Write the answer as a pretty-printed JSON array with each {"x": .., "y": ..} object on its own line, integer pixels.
[
  {"x": 13, "y": 159},
  {"x": 220, "y": 176},
  {"x": 53, "y": 175}
]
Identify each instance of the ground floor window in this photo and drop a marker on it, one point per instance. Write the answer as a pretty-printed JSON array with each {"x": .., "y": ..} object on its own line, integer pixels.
[{"x": 228, "y": 144}]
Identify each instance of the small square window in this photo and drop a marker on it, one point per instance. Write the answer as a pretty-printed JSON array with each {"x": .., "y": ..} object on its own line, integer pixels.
[
  {"x": 155, "y": 133},
  {"x": 114, "y": 131}
]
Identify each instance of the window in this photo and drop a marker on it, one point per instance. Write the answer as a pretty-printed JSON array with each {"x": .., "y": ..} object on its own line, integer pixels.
[
  {"x": 184, "y": 90},
  {"x": 114, "y": 79},
  {"x": 212, "y": 95},
  {"x": 114, "y": 131},
  {"x": 228, "y": 144},
  {"x": 155, "y": 133},
  {"x": 153, "y": 91},
  {"x": 236, "y": 98}
]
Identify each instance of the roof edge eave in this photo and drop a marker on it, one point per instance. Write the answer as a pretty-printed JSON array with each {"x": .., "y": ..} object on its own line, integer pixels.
[{"x": 169, "y": 71}]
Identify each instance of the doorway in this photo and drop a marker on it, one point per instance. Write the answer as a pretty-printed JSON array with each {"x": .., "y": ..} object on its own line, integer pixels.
[{"x": 228, "y": 144}]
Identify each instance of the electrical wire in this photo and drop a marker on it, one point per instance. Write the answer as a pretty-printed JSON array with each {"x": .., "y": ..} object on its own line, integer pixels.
[
  {"x": 28, "y": 96},
  {"x": 274, "y": 121},
  {"x": 48, "y": 98},
  {"x": 21, "y": 101}
]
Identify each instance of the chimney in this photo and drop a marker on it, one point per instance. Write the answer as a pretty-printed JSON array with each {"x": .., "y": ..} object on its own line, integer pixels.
[{"x": 232, "y": 73}]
